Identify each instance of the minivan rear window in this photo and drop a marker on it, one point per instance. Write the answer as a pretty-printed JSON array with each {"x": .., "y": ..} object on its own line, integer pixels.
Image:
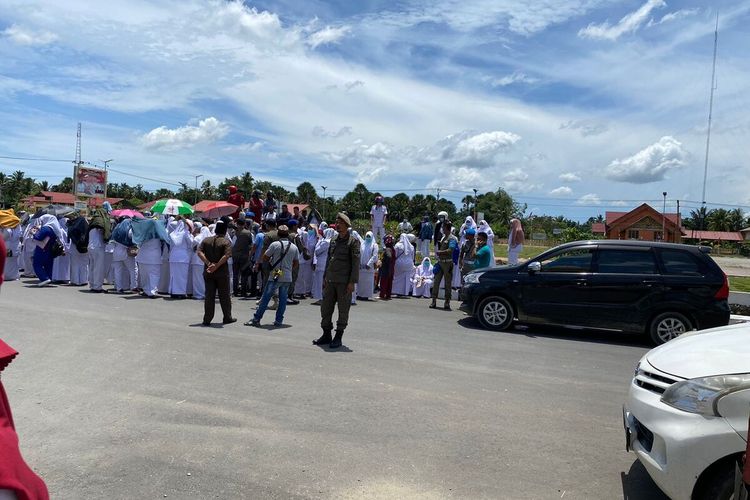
[
  {"x": 679, "y": 262},
  {"x": 626, "y": 262}
]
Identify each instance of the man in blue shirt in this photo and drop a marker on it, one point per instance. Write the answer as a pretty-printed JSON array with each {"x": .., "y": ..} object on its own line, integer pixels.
[
  {"x": 484, "y": 253},
  {"x": 256, "y": 252}
]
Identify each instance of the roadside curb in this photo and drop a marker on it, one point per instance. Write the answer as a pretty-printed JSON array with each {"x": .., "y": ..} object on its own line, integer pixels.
[{"x": 741, "y": 298}]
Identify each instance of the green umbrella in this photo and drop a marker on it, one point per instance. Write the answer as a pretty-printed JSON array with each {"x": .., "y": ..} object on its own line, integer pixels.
[{"x": 172, "y": 207}]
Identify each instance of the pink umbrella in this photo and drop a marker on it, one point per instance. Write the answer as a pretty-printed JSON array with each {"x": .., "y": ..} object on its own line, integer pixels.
[
  {"x": 126, "y": 212},
  {"x": 218, "y": 209}
]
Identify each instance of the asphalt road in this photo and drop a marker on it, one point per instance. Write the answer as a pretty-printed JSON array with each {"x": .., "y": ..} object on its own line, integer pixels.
[{"x": 123, "y": 397}]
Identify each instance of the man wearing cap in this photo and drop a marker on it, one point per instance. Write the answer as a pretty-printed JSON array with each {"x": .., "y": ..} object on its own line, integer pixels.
[
  {"x": 341, "y": 274},
  {"x": 444, "y": 252}
]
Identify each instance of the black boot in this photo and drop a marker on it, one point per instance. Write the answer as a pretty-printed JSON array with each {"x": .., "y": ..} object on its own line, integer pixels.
[
  {"x": 336, "y": 342},
  {"x": 324, "y": 339}
]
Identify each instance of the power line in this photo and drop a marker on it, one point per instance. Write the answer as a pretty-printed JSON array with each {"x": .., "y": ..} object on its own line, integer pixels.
[{"x": 33, "y": 159}]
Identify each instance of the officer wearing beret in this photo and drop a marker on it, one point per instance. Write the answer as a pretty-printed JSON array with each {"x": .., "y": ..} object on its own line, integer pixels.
[{"x": 341, "y": 274}]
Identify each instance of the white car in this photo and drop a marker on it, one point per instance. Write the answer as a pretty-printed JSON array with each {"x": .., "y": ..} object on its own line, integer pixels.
[{"x": 687, "y": 412}]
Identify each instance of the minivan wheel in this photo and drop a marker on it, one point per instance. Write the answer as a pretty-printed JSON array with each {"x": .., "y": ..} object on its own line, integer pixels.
[
  {"x": 667, "y": 326},
  {"x": 495, "y": 313}
]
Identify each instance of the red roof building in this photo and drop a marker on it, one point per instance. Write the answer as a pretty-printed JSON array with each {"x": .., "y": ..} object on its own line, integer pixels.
[{"x": 641, "y": 223}]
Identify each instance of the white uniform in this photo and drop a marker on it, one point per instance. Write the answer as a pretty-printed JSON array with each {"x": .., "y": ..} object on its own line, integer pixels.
[
  {"x": 124, "y": 268},
  {"x": 378, "y": 214},
  {"x": 368, "y": 257},
  {"x": 404, "y": 268},
  {"x": 12, "y": 239},
  {"x": 305, "y": 277},
  {"x": 61, "y": 264},
  {"x": 109, "y": 273},
  {"x": 149, "y": 261},
  {"x": 96, "y": 258},
  {"x": 180, "y": 253},
  {"x": 423, "y": 278},
  {"x": 28, "y": 254},
  {"x": 320, "y": 259}
]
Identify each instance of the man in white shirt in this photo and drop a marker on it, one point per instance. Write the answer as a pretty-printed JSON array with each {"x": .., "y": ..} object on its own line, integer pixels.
[{"x": 378, "y": 217}]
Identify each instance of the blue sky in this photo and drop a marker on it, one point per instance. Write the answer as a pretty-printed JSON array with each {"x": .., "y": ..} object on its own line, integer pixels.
[{"x": 573, "y": 106}]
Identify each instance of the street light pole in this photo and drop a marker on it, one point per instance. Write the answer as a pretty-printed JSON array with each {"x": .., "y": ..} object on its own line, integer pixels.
[
  {"x": 664, "y": 217},
  {"x": 106, "y": 180},
  {"x": 195, "y": 198},
  {"x": 475, "y": 204}
]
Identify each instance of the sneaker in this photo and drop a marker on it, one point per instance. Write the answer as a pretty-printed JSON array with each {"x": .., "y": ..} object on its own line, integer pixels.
[
  {"x": 44, "y": 283},
  {"x": 316, "y": 303},
  {"x": 253, "y": 322},
  {"x": 276, "y": 323}
]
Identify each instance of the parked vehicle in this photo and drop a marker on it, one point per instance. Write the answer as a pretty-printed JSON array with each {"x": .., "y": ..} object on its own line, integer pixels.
[
  {"x": 662, "y": 289},
  {"x": 686, "y": 417}
]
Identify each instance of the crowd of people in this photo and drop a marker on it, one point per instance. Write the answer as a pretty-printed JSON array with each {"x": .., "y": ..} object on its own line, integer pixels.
[{"x": 160, "y": 255}]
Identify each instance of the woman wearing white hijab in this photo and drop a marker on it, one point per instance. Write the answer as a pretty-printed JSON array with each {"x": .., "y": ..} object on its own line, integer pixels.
[
  {"x": 305, "y": 277},
  {"x": 320, "y": 259},
  {"x": 170, "y": 224},
  {"x": 456, "y": 272},
  {"x": 404, "y": 268},
  {"x": 61, "y": 267},
  {"x": 468, "y": 224},
  {"x": 515, "y": 241},
  {"x": 485, "y": 228},
  {"x": 422, "y": 280},
  {"x": 180, "y": 253},
  {"x": 47, "y": 233},
  {"x": 196, "y": 265},
  {"x": 355, "y": 294},
  {"x": 368, "y": 256},
  {"x": 152, "y": 241},
  {"x": 29, "y": 246}
]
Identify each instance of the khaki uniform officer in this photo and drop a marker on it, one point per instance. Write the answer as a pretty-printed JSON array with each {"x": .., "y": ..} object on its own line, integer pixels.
[
  {"x": 444, "y": 251},
  {"x": 341, "y": 274}
]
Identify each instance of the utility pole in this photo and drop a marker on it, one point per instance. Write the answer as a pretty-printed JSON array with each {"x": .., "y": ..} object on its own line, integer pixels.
[
  {"x": 325, "y": 202},
  {"x": 664, "y": 218},
  {"x": 106, "y": 178},
  {"x": 475, "y": 204},
  {"x": 195, "y": 198}
]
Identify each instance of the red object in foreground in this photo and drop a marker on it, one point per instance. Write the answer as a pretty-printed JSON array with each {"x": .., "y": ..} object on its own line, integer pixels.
[
  {"x": 15, "y": 474},
  {"x": 218, "y": 209}
]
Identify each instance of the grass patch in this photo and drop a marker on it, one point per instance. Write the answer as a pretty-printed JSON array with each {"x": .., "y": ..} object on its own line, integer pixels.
[
  {"x": 527, "y": 252},
  {"x": 739, "y": 283}
]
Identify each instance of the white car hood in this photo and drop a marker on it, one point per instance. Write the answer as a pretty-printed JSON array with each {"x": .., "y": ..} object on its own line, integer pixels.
[{"x": 718, "y": 351}]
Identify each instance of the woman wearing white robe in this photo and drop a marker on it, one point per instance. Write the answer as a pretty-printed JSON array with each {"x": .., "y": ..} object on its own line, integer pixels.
[
  {"x": 361, "y": 240},
  {"x": 485, "y": 228},
  {"x": 456, "y": 283},
  {"x": 196, "y": 265},
  {"x": 468, "y": 224},
  {"x": 79, "y": 261},
  {"x": 422, "y": 280},
  {"x": 152, "y": 243},
  {"x": 61, "y": 264},
  {"x": 305, "y": 276},
  {"x": 12, "y": 237},
  {"x": 180, "y": 252},
  {"x": 28, "y": 248},
  {"x": 320, "y": 259},
  {"x": 404, "y": 267},
  {"x": 368, "y": 256}
]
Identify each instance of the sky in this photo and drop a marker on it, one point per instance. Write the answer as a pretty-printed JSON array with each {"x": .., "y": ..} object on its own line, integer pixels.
[{"x": 574, "y": 107}]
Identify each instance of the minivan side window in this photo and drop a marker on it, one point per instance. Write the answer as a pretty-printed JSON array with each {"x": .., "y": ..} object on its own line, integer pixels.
[
  {"x": 571, "y": 261},
  {"x": 679, "y": 262},
  {"x": 618, "y": 261}
]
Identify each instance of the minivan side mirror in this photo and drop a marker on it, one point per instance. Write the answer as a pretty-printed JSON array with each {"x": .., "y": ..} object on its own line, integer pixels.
[{"x": 534, "y": 267}]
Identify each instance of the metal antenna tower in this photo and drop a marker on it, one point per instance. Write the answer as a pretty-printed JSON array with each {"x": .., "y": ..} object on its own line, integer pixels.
[
  {"x": 710, "y": 114},
  {"x": 78, "y": 145}
]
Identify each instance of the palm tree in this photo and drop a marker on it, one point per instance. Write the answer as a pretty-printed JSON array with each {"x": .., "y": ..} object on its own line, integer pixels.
[
  {"x": 306, "y": 193},
  {"x": 718, "y": 220}
]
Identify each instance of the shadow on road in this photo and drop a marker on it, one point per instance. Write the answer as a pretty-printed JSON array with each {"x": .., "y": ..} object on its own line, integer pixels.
[
  {"x": 325, "y": 348},
  {"x": 638, "y": 485},
  {"x": 558, "y": 332}
]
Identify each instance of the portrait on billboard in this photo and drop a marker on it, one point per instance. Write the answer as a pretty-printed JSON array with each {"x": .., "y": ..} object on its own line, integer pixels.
[{"x": 90, "y": 182}]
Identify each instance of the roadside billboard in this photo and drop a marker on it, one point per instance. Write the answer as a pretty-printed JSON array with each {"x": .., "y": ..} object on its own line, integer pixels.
[{"x": 90, "y": 182}]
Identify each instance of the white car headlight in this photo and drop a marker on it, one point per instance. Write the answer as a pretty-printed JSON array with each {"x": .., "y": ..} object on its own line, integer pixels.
[
  {"x": 472, "y": 278},
  {"x": 702, "y": 395}
]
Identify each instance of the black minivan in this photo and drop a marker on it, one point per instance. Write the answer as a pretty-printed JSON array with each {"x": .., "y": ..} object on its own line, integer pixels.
[{"x": 662, "y": 289}]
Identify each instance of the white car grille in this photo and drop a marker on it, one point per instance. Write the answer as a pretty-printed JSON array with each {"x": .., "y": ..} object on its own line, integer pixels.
[{"x": 653, "y": 381}]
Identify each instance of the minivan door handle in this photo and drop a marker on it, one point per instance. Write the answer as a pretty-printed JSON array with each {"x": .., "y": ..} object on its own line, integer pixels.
[{"x": 650, "y": 283}]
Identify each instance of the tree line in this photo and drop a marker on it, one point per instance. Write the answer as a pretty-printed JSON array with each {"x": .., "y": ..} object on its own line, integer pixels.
[{"x": 498, "y": 207}]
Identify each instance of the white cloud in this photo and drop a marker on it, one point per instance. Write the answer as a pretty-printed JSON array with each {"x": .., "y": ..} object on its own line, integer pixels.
[
  {"x": 589, "y": 199},
  {"x": 586, "y": 127},
  {"x": 628, "y": 24},
  {"x": 569, "y": 177},
  {"x": 327, "y": 36},
  {"x": 165, "y": 139},
  {"x": 462, "y": 179},
  {"x": 368, "y": 175},
  {"x": 673, "y": 16},
  {"x": 650, "y": 164},
  {"x": 561, "y": 191},
  {"x": 248, "y": 147},
  {"x": 469, "y": 148},
  {"x": 619, "y": 203},
  {"x": 319, "y": 131},
  {"x": 363, "y": 154},
  {"x": 517, "y": 181},
  {"x": 515, "y": 77},
  {"x": 23, "y": 36}
]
